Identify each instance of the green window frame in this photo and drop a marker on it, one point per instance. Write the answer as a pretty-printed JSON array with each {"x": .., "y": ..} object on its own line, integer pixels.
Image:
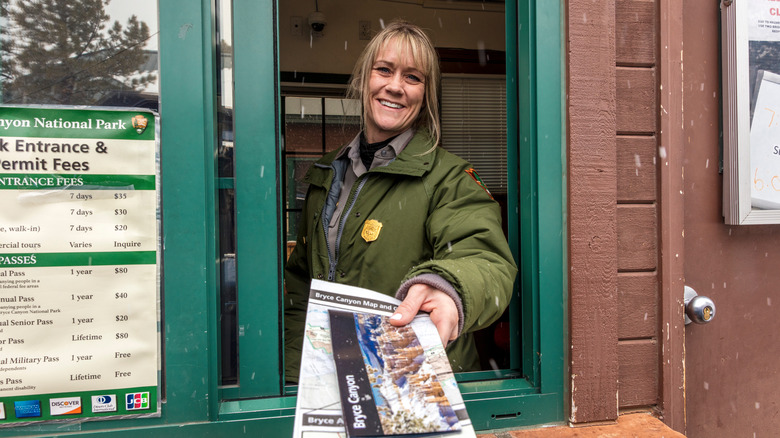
[{"x": 194, "y": 402}]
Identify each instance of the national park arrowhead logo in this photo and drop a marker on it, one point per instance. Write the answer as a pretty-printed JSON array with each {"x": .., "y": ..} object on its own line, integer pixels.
[{"x": 139, "y": 123}]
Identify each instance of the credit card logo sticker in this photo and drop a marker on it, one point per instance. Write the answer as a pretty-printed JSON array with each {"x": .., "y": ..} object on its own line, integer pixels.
[
  {"x": 2, "y": 411},
  {"x": 104, "y": 403},
  {"x": 27, "y": 408},
  {"x": 137, "y": 400},
  {"x": 65, "y": 406}
]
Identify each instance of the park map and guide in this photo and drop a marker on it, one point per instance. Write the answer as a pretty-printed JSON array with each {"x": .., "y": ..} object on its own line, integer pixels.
[{"x": 361, "y": 376}]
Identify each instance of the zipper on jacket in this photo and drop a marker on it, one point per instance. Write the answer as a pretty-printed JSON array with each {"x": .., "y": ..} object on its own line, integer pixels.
[
  {"x": 342, "y": 220},
  {"x": 325, "y": 218}
]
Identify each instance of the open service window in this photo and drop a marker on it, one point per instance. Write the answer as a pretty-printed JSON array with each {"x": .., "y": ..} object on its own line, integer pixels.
[
  {"x": 275, "y": 126},
  {"x": 316, "y": 117}
]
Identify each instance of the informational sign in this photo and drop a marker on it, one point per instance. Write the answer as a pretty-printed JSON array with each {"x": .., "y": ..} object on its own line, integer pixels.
[
  {"x": 764, "y": 20},
  {"x": 750, "y": 95},
  {"x": 765, "y": 143},
  {"x": 764, "y": 76},
  {"x": 79, "y": 271}
]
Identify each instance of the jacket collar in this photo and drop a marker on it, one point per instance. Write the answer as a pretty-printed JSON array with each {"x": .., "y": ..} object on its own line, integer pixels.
[{"x": 414, "y": 160}]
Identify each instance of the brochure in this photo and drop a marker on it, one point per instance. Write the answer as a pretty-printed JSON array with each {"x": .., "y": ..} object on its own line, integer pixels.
[{"x": 361, "y": 376}]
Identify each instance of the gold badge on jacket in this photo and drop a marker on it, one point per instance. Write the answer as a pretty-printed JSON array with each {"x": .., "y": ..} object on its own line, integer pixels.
[{"x": 371, "y": 229}]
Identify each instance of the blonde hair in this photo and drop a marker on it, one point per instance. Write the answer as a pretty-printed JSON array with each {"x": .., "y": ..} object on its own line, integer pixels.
[{"x": 412, "y": 38}]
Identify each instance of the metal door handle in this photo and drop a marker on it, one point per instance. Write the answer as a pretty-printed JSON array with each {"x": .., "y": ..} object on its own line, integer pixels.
[{"x": 698, "y": 309}]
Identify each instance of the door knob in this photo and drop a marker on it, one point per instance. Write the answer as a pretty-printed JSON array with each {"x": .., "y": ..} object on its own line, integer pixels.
[{"x": 698, "y": 309}]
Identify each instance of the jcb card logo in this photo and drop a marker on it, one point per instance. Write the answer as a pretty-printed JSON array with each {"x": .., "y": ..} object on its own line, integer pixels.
[
  {"x": 136, "y": 400},
  {"x": 65, "y": 406},
  {"x": 104, "y": 403}
]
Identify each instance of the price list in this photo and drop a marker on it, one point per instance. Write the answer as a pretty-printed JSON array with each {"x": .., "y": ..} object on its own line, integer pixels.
[{"x": 79, "y": 276}]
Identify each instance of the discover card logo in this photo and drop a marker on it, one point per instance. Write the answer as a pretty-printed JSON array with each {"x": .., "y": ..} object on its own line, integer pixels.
[
  {"x": 136, "y": 400},
  {"x": 65, "y": 406},
  {"x": 104, "y": 403}
]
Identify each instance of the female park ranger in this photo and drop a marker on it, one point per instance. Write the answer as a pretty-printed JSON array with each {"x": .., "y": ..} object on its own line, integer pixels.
[{"x": 393, "y": 212}]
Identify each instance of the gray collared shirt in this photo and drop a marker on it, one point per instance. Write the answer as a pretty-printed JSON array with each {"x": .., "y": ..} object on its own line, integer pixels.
[{"x": 382, "y": 157}]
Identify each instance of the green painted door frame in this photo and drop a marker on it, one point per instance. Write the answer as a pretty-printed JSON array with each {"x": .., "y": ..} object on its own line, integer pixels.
[{"x": 194, "y": 403}]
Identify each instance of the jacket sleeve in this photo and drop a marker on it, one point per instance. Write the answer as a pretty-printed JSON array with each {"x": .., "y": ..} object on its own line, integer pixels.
[
  {"x": 296, "y": 294},
  {"x": 469, "y": 246}
]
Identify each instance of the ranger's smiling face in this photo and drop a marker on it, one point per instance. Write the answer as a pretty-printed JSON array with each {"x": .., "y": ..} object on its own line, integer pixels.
[{"x": 396, "y": 93}]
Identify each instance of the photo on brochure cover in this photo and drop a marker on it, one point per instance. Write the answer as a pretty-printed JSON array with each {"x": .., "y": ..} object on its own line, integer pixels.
[{"x": 388, "y": 382}]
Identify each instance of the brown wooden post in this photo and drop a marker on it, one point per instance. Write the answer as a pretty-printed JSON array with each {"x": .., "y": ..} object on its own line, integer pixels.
[
  {"x": 592, "y": 211},
  {"x": 671, "y": 155}
]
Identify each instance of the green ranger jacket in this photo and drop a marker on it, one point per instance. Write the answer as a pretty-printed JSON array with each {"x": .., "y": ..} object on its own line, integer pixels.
[{"x": 436, "y": 218}]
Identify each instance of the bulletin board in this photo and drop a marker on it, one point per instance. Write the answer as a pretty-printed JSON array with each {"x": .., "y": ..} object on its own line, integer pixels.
[{"x": 751, "y": 111}]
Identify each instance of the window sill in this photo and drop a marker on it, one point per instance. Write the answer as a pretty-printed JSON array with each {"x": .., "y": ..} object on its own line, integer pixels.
[
  {"x": 492, "y": 404},
  {"x": 636, "y": 424}
]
